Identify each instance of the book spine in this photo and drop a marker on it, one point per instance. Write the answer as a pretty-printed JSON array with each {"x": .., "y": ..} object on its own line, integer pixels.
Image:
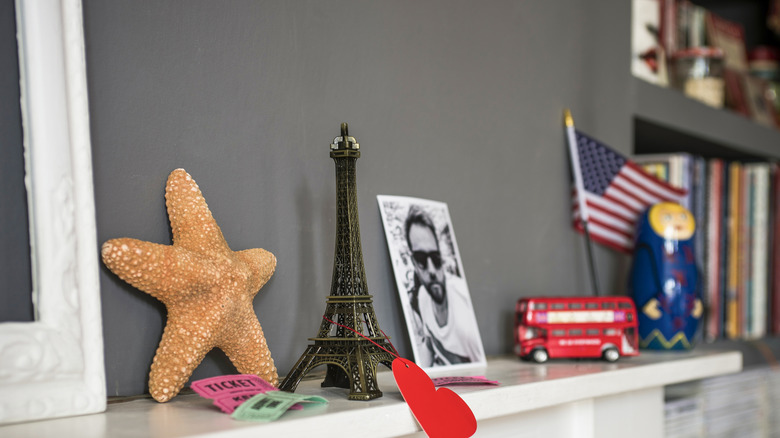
[
  {"x": 760, "y": 247},
  {"x": 732, "y": 281},
  {"x": 744, "y": 255},
  {"x": 743, "y": 251},
  {"x": 667, "y": 28},
  {"x": 724, "y": 247},
  {"x": 713, "y": 252},
  {"x": 775, "y": 262}
]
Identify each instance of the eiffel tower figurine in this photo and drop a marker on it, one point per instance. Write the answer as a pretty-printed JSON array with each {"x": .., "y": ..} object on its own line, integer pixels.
[{"x": 352, "y": 359}]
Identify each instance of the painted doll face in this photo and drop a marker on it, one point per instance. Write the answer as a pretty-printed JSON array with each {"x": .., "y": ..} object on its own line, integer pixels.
[{"x": 672, "y": 221}]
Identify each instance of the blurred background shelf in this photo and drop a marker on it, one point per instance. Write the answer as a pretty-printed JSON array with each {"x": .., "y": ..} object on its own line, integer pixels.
[
  {"x": 665, "y": 120},
  {"x": 762, "y": 352}
]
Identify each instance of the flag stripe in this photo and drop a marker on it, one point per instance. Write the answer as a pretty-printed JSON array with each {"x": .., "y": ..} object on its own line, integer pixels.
[
  {"x": 662, "y": 188},
  {"x": 607, "y": 217},
  {"x": 606, "y": 239},
  {"x": 626, "y": 199},
  {"x": 636, "y": 192},
  {"x": 608, "y": 203},
  {"x": 617, "y": 225},
  {"x": 615, "y": 205},
  {"x": 609, "y": 222},
  {"x": 606, "y": 233}
]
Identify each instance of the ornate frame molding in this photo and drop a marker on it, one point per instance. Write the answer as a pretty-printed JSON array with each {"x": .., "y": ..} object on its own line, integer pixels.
[{"x": 53, "y": 367}]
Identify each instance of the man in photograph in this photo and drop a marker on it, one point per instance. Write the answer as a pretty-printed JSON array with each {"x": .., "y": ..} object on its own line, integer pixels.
[{"x": 444, "y": 325}]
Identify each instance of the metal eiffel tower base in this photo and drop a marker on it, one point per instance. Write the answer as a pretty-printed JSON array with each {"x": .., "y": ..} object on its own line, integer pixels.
[{"x": 359, "y": 357}]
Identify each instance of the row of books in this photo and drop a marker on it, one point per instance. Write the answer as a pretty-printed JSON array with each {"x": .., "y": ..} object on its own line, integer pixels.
[{"x": 737, "y": 241}]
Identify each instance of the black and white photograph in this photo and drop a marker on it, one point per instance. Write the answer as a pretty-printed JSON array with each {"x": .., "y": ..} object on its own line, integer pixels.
[{"x": 431, "y": 282}]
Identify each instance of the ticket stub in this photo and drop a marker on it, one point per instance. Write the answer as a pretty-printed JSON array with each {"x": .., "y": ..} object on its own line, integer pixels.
[
  {"x": 229, "y": 391},
  {"x": 463, "y": 380},
  {"x": 229, "y": 403},
  {"x": 272, "y": 405},
  {"x": 220, "y": 386}
]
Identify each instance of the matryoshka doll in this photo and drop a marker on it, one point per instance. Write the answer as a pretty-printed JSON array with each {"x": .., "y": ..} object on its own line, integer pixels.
[{"x": 664, "y": 281}]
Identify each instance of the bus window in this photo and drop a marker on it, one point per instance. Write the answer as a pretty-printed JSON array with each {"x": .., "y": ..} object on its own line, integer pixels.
[
  {"x": 624, "y": 305},
  {"x": 629, "y": 317},
  {"x": 607, "y": 305},
  {"x": 558, "y": 305},
  {"x": 558, "y": 332},
  {"x": 575, "y": 305},
  {"x": 540, "y": 306},
  {"x": 631, "y": 335},
  {"x": 575, "y": 332},
  {"x": 610, "y": 332},
  {"x": 592, "y": 332},
  {"x": 591, "y": 305}
]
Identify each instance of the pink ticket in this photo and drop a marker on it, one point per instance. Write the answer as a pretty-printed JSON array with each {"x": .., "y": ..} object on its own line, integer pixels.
[
  {"x": 229, "y": 391},
  {"x": 220, "y": 386},
  {"x": 229, "y": 403},
  {"x": 463, "y": 380}
]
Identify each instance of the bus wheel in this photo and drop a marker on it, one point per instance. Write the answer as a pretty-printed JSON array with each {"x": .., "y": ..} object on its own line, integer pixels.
[
  {"x": 611, "y": 354},
  {"x": 540, "y": 355}
]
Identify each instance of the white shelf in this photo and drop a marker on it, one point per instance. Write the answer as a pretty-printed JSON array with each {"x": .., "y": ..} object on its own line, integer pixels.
[{"x": 524, "y": 387}]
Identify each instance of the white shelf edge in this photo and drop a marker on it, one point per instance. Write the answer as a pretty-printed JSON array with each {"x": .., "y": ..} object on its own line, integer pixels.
[
  {"x": 525, "y": 387},
  {"x": 620, "y": 380}
]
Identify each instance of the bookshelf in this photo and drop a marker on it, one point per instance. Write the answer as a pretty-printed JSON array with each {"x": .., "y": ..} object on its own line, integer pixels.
[
  {"x": 666, "y": 121},
  {"x": 755, "y": 353}
]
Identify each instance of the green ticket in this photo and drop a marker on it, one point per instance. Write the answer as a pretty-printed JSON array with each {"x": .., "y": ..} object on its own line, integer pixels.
[{"x": 272, "y": 405}]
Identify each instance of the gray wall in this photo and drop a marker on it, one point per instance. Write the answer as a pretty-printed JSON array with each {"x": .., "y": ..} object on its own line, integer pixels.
[
  {"x": 457, "y": 101},
  {"x": 15, "y": 267}
]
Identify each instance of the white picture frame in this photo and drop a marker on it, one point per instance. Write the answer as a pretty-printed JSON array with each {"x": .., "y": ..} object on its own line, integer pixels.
[
  {"x": 53, "y": 366},
  {"x": 437, "y": 346}
]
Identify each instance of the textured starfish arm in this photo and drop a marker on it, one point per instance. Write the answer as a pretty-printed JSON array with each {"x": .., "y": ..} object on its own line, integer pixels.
[
  {"x": 186, "y": 340},
  {"x": 192, "y": 224},
  {"x": 261, "y": 263},
  {"x": 247, "y": 349},
  {"x": 163, "y": 271}
]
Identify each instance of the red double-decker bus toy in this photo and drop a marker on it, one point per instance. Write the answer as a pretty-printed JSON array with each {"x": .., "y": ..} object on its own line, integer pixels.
[{"x": 575, "y": 327}]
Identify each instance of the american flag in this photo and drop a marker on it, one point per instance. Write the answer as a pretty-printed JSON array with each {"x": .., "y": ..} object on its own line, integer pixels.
[{"x": 617, "y": 191}]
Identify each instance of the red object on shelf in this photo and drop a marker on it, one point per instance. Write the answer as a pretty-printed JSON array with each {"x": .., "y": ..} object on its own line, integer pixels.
[
  {"x": 441, "y": 412},
  {"x": 576, "y": 327}
]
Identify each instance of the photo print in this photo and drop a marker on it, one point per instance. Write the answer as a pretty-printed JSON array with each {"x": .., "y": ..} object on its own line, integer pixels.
[{"x": 431, "y": 283}]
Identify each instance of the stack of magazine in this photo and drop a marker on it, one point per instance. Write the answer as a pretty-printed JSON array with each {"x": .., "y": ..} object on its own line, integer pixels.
[
  {"x": 737, "y": 241},
  {"x": 736, "y": 405},
  {"x": 683, "y": 418}
]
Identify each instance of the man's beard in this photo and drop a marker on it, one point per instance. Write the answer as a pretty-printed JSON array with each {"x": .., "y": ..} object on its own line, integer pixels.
[{"x": 437, "y": 291}]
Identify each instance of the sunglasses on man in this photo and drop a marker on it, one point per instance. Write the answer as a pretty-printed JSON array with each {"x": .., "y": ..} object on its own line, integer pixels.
[{"x": 421, "y": 258}]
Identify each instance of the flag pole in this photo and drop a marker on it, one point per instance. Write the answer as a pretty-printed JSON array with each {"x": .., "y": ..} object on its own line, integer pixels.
[{"x": 575, "y": 165}]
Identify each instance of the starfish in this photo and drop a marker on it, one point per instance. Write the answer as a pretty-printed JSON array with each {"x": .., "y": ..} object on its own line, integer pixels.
[{"x": 206, "y": 287}]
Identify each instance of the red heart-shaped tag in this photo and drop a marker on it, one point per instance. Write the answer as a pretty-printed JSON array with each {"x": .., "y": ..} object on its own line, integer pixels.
[{"x": 441, "y": 413}]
